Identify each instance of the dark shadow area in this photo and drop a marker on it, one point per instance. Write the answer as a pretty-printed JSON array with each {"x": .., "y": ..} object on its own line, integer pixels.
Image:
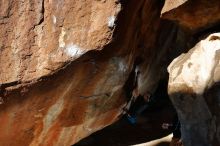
[
  {"x": 203, "y": 33},
  {"x": 163, "y": 144},
  {"x": 147, "y": 127}
]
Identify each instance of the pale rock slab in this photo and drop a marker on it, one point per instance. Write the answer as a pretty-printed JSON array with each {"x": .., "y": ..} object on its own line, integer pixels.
[{"x": 194, "y": 90}]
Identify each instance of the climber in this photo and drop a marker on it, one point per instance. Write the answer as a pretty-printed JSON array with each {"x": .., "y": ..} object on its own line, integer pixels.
[
  {"x": 175, "y": 128},
  {"x": 137, "y": 103},
  {"x": 140, "y": 104},
  {"x": 146, "y": 101}
]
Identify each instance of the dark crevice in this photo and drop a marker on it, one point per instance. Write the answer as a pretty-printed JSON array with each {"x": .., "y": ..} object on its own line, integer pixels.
[
  {"x": 9, "y": 84},
  {"x": 207, "y": 31},
  {"x": 42, "y": 13},
  {"x": 131, "y": 82}
]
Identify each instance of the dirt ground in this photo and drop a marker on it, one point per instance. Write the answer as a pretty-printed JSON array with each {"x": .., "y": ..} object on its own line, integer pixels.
[{"x": 122, "y": 133}]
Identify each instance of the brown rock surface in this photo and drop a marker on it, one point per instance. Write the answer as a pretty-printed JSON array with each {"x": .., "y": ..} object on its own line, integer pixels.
[
  {"x": 194, "y": 90},
  {"x": 192, "y": 14},
  {"x": 55, "y": 87},
  {"x": 64, "y": 65},
  {"x": 39, "y": 37}
]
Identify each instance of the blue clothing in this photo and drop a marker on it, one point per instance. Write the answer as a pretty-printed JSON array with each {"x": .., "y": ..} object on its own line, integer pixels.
[
  {"x": 132, "y": 119},
  {"x": 137, "y": 107}
]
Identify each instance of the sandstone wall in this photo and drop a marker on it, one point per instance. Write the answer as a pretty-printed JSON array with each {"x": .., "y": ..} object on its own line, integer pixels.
[
  {"x": 39, "y": 37},
  {"x": 63, "y": 65}
]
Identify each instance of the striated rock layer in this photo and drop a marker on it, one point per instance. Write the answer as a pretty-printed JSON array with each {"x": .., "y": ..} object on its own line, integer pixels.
[
  {"x": 63, "y": 65},
  {"x": 194, "y": 87}
]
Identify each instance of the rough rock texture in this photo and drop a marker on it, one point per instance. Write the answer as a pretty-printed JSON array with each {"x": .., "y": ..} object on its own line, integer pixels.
[
  {"x": 194, "y": 15},
  {"x": 194, "y": 84},
  {"x": 194, "y": 77},
  {"x": 63, "y": 65},
  {"x": 40, "y": 36}
]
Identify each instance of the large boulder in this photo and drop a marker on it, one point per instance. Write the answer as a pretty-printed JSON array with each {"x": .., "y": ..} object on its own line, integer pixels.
[
  {"x": 194, "y": 88},
  {"x": 39, "y": 37},
  {"x": 63, "y": 65}
]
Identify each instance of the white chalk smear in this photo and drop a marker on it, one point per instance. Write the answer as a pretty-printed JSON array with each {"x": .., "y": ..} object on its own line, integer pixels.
[
  {"x": 111, "y": 21},
  {"x": 74, "y": 50},
  {"x": 54, "y": 19}
]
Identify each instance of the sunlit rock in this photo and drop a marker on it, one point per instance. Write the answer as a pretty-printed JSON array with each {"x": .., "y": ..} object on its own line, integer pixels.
[{"x": 194, "y": 90}]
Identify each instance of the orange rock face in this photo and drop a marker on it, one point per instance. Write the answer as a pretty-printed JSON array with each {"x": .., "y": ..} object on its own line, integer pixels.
[
  {"x": 193, "y": 14},
  {"x": 63, "y": 65},
  {"x": 39, "y": 37}
]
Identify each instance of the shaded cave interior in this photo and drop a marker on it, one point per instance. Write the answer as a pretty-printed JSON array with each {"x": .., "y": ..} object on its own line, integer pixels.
[{"x": 148, "y": 126}]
